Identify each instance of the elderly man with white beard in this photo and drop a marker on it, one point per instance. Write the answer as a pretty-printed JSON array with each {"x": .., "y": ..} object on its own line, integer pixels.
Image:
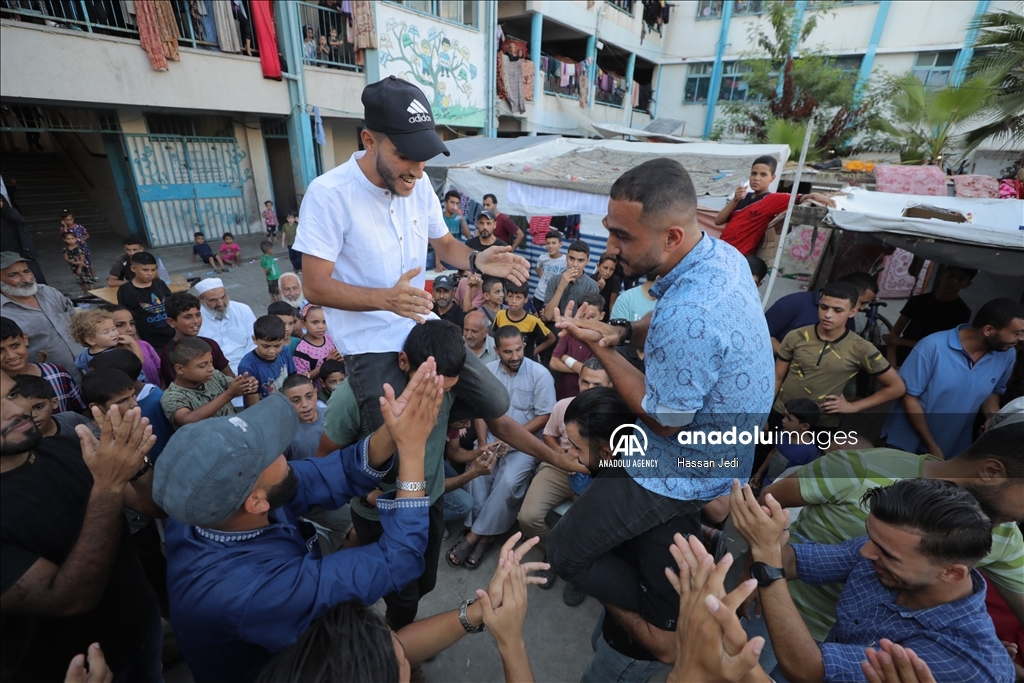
[
  {"x": 41, "y": 311},
  {"x": 229, "y": 323},
  {"x": 291, "y": 290}
]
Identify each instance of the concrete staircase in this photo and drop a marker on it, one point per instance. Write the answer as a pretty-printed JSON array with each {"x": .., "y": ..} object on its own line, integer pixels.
[{"x": 46, "y": 186}]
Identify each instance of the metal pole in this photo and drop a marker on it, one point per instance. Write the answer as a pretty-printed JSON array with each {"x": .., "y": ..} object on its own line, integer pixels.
[{"x": 789, "y": 212}]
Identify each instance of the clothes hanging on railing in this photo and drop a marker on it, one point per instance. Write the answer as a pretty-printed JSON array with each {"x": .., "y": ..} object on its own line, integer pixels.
[
  {"x": 158, "y": 32},
  {"x": 539, "y": 227},
  {"x": 501, "y": 82},
  {"x": 515, "y": 85},
  {"x": 529, "y": 70},
  {"x": 209, "y": 22},
  {"x": 227, "y": 27},
  {"x": 635, "y": 91},
  {"x": 362, "y": 25},
  {"x": 266, "y": 38},
  {"x": 583, "y": 80}
]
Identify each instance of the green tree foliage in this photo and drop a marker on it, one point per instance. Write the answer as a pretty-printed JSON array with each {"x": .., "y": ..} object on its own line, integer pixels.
[
  {"x": 810, "y": 82},
  {"x": 1002, "y": 118}
]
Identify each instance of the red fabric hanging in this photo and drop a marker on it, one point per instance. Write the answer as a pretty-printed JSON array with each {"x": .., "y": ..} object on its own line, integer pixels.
[
  {"x": 539, "y": 226},
  {"x": 266, "y": 38}
]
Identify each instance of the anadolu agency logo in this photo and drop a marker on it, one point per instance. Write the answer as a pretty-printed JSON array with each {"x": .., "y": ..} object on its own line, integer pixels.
[{"x": 629, "y": 448}]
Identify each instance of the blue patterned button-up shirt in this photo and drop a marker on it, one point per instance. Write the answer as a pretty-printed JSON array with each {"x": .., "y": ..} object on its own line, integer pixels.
[
  {"x": 708, "y": 354},
  {"x": 957, "y": 640}
]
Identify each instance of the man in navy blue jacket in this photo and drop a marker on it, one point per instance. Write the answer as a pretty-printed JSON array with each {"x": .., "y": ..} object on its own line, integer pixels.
[{"x": 244, "y": 574}]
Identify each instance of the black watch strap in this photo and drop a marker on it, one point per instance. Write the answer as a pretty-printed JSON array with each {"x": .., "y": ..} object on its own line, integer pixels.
[
  {"x": 147, "y": 465},
  {"x": 766, "y": 574},
  {"x": 622, "y": 322}
]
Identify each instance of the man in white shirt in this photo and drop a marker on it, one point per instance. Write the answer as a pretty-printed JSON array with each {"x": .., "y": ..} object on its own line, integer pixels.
[
  {"x": 229, "y": 323},
  {"x": 364, "y": 230}
]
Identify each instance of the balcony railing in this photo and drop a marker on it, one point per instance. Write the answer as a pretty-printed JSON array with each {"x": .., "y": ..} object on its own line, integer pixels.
[
  {"x": 553, "y": 70},
  {"x": 326, "y": 37},
  {"x": 622, "y": 5},
  {"x": 109, "y": 17},
  {"x": 610, "y": 89}
]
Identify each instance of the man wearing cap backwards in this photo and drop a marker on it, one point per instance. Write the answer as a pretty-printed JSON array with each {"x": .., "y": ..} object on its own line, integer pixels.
[
  {"x": 244, "y": 578},
  {"x": 227, "y": 322},
  {"x": 365, "y": 229},
  {"x": 41, "y": 311},
  {"x": 444, "y": 301}
]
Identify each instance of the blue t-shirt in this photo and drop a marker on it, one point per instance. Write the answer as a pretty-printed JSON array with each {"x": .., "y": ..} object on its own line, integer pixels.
[
  {"x": 454, "y": 224},
  {"x": 799, "y": 309},
  {"x": 270, "y": 375},
  {"x": 798, "y": 454},
  {"x": 149, "y": 403},
  {"x": 203, "y": 251},
  {"x": 951, "y": 389},
  {"x": 708, "y": 356}
]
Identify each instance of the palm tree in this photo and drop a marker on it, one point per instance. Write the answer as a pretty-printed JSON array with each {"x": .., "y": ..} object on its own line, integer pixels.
[
  {"x": 925, "y": 119},
  {"x": 1003, "y": 65}
]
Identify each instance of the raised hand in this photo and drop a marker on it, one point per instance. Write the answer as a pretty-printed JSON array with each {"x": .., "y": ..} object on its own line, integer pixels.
[
  {"x": 416, "y": 418},
  {"x": 243, "y": 384},
  {"x": 119, "y": 453},
  {"x": 502, "y": 263},
  {"x": 895, "y": 664},
  {"x": 590, "y": 331},
  {"x": 98, "y": 671},
  {"x": 407, "y": 301},
  {"x": 764, "y": 527},
  {"x": 509, "y": 556},
  {"x": 424, "y": 373},
  {"x": 740, "y": 193}
]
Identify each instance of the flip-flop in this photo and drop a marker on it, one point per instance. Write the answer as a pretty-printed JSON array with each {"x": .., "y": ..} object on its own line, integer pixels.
[
  {"x": 476, "y": 557},
  {"x": 461, "y": 550}
]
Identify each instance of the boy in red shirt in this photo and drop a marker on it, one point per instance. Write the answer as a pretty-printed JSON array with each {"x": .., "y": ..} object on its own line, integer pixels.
[{"x": 748, "y": 214}]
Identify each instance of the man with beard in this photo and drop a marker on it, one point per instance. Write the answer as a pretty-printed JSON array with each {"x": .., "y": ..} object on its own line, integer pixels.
[
  {"x": 365, "y": 229},
  {"x": 42, "y": 312},
  {"x": 952, "y": 375},
  {"x": 708, "y": 369},
  {"x": 291, "y": 290},
  {"x": 245, "y": 577},
  {"x": 70, "y": 575},
  {"x": 911, "y": 579},
  {"x": 444, "y": 301},
  {"x": 829, "y": 491},
  {"x": 229, "y": 323}
]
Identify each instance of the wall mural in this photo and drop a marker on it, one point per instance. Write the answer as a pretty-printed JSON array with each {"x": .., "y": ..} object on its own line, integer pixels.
[{"x": 438, "y": 57}]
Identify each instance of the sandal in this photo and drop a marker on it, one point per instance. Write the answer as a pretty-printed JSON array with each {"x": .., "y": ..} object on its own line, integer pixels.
[
  {"x": 477, "y": 556},
  {"x": 573, "y": 596},
  {"x": 460, "y": 550}
]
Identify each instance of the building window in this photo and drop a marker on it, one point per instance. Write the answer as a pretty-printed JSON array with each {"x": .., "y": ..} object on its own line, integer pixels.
[
  {"x": 698, "y": 83},
  {"x": 734, "y": 82},
  {"x": 710, "y": 9},
  {"x": 935, "y": 68},
  {"x": 622, "y": 5},
  {"x": 846, "y": 63},
  {"x": 455, "y": 11}
]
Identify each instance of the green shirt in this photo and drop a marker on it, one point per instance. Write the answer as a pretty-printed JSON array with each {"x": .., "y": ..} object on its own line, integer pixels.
[
  {"x": 818, "y": 368},
  {"x": 269, "y": 264},
  {"x": 345, "y": 425},
  {"x": 177, "y": 397},
  {"x": 832, "y": 487},
  {"x": 289, "y": 231}
]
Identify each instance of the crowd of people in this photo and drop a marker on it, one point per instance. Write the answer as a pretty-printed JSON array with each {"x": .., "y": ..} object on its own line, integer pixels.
[{"x": 260, "y": 481}]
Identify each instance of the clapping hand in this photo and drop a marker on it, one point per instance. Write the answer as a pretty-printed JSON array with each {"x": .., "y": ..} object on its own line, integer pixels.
[
  {"x": 121, "y": 449},
  {"x": 894, "y": 664},
  {"x": 417, "y": 407},
  {"x": 586, "y": 328},
  {"x": 765, "y": 528}
]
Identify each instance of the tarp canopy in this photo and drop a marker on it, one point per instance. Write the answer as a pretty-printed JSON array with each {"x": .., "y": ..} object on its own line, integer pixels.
[{"x": 467, "y": 150}]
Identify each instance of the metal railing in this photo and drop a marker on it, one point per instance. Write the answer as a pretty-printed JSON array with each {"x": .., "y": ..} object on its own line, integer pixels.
[
  {"x": 613, "y": 97},
  {"x": 625, "y": 6},
  {"x": 327, "y": 39}
]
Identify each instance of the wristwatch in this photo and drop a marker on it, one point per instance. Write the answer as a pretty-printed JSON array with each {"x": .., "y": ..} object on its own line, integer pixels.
[
  {"x": 464, "y": 618},
  {"x": 622, "y": 322},
  {"x": 766, "y": 574},
  {"x": 147, "y": 464},
  {"x": 410, "y": 485},
  {"x": 472, "y": 262}
]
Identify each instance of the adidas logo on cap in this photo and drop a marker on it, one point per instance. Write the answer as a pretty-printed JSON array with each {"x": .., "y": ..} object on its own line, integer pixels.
[{"x": 419, "y": 112}]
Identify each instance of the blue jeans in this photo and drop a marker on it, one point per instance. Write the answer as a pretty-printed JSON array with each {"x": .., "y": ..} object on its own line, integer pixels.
[
  {"x": 296, "y": 258},
  {"x": 147, "y": 664},
  {"x": 611, "y": 666},
  {"x": 457, "y": 503}
]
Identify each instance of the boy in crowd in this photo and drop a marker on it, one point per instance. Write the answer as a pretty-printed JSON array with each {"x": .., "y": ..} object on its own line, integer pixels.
[
  {"x": 537, "y": 336},
  {"x": 758, "y": 268},
  {"x": 802, "y": 416},
  {"x": 551, "y": 263},
  {"x": 41, "y": 402},
  {"x": 747, "y": 215},
  {"x": 633, "y": 304},
  {"x": 206, "y": 255},
  {"x": 269, "y": 265},
  {"x": 929, "y": 313},
  {"x": 124, "y": 321},
  {"x": 332, "y": 373},
  {"x": 505, "y": 228},
  {"x": 270, "y": 362},
  {"x": 185, "y": 317},
  {"x": 572, "y": 284},
  {"x": 14, "y": 361},
  {"x": 485, "y": 233},
  {"x": 107, "y": 388},
  {"x": 570, "y": 354},
  {"x": 453, "y": 216},
  {"x": 200, "y": 390},
  {"x": 121, "y": 271},
  {"x": 145, "y": 296},
  {"x": 800, "y": 309},
  {"x": 299, "y": 390},
  {"x": 494, "y": 297},
  {"x": 147, "y": 395},
  {"x": 292, "y": 323},
  {"x": 231, "y": 251},
  {"x": 289, "y": 231}
]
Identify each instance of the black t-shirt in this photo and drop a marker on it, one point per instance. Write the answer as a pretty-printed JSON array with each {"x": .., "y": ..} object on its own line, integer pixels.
[
  {"x": 147, "y": 307},
  {"x": 474, "y": 244},
  {"x": 122, "y": 269},
  {"x": 928, "y": 315},
  {"x": 658, "y": 600},
  {"x": 454, "y": 315},
  {"x": 611, "y": 286},
  {"x": 42, "y": 506}
]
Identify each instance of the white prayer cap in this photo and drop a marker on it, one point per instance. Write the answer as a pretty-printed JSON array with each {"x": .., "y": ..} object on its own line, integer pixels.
[{"x": 204, "y": 286}]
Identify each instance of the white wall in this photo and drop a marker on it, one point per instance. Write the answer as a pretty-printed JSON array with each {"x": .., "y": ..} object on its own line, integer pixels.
[{"x": 43, "y": 63}]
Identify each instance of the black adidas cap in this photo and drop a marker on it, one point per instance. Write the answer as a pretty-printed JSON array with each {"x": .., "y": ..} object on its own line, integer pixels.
[{"x": 401, "y": 111}]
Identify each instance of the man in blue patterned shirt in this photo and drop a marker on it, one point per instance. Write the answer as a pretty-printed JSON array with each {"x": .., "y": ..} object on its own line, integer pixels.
[
  {"x": 911, "y": 580},
  {"x": 709, "y": 379}
]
